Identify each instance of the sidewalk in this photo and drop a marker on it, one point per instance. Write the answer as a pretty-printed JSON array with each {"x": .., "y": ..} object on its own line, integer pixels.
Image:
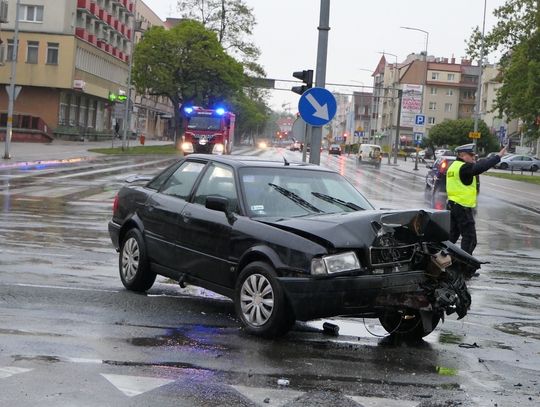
[{"x": 25, "y": 154}]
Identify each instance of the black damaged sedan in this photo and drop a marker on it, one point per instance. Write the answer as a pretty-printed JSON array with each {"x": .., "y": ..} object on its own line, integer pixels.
[{"x": 289, "y": 242}]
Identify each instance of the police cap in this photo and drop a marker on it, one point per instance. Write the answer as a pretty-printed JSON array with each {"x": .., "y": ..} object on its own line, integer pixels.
[{"x": 466, "y": 148}]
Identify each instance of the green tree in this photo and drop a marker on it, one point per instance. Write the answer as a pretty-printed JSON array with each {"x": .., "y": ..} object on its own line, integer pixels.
[
  {"x": 187, "y": 65},
  {"x": 454, "y": 133},
  {"x": 517, "y": 37}
]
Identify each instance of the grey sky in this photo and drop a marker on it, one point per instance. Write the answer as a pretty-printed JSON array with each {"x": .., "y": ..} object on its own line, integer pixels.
[{"x": 287, "y": 34}]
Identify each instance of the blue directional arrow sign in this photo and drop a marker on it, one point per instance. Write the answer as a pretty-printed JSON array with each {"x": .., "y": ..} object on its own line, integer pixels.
[{"x": 317, "y": 106}]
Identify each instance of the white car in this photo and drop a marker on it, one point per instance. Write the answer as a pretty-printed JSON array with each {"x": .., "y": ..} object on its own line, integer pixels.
[
  {"x": 421, "y": 154},
  {"x": 441, "y": 152}
]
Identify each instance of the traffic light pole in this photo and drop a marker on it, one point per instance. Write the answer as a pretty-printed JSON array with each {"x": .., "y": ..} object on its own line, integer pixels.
[{"x": 320, "y": 80}]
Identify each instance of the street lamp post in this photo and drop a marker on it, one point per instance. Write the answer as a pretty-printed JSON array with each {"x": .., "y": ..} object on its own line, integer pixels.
[
  {"x": 12, "y": 80},
  {"x": 129, "y": 105},
  {"x": 424, "y": 83},
  {"x": 479, "y": 87}
]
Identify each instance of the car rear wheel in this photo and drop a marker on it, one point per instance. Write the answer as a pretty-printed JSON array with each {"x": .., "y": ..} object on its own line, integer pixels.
[
  {"x": 260, "y": 302},
  {"x": 134, "y": 267},
  {"x": 408, "y": 326},
  {"x": 534, "y": 168},
  {"x": 504, "y": 166}
]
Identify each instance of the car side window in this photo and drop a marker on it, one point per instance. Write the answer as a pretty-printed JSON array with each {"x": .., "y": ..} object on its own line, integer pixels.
[
  {"x": 218, "y": 180},
  {"x": 162, "y": 177},
  {"x": 182, "y": 180}
]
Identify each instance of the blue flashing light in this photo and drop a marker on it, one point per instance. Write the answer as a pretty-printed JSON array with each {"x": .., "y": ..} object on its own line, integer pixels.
[
  {"x": 188, "y": 110},
  {"x": 220, "y": 111}
]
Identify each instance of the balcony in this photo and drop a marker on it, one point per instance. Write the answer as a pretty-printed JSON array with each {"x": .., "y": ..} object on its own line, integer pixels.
[
  {"x": 103, "y": 14},
  {"x": 92, "y": 39},
  {"x": 116, "y": 24},
  {"x": 110, "y": 20},
  {"x": 94, "y": 9},
  {"x": 85, "y": 4},
  {"x": 81, "y": 33},
  {"x": 115, "y": 52},
  {"x": 128, "y": 34},
  {"x": 467, "y": 101}
]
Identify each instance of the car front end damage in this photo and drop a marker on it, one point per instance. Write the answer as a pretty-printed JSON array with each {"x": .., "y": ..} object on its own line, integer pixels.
[{"x": 407, "y": 273}]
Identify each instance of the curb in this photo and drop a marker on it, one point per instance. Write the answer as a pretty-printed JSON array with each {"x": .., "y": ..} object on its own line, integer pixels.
[{"x": 36, "y": 163}]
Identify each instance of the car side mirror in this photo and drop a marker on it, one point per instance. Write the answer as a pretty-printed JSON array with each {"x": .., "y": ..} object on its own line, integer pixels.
[{"x": 217, "y": 203}]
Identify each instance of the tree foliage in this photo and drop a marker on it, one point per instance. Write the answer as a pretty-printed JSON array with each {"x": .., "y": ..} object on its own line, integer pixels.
[
  {"x": 454, "y": 133},
  {"x": 187, "y": 65},
  {"x": 233, "y": 21},
  {"x": 517, "y": 37}
]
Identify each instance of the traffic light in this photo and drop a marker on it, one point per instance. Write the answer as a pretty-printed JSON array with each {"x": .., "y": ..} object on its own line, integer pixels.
[{"x": 306, "y": 77}]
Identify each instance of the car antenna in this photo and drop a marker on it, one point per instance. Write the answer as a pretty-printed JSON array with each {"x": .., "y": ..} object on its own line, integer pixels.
[{"x": 285, "y": 160}]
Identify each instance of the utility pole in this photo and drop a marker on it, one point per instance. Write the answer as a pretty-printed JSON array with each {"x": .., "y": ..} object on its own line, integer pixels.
[
  {"x": 398, "y": 124},
  {"x": 320, "y": 80},
  {"x": 129, "y": 105},
  {"x": 12, "y": 79},
  {"x": 479, "y": 87}
]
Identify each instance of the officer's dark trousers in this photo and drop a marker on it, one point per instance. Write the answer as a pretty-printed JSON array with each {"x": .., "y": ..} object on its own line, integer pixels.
[{"x": 462, "y": 224}]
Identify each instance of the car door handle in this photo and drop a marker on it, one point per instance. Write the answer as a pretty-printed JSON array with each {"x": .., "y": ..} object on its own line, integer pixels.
[{"x": 186, "y": 216}]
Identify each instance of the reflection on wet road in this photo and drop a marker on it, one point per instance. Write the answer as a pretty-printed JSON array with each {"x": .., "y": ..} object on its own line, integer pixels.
[{"x": 59, "y": 282}]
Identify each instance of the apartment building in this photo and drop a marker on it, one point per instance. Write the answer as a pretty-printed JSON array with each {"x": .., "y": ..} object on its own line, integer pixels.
[
  {"x": 442, "y": 89},
  {"x": 362, "y": 116},
  {"x": 72, "y": 54}
]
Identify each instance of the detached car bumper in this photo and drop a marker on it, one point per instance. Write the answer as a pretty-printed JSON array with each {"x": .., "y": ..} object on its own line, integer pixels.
[{"x": 313, "y": 298}]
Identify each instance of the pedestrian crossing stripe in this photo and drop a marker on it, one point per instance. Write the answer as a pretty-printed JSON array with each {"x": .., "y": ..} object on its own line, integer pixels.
[
  {"x": 135, "y": 385},
  {"x": 274, "y": 397},
  {"x": 9, "y": 371}
]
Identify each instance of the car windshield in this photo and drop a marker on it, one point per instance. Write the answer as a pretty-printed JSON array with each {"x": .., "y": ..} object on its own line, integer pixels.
[
  {"x": 204, "y": 123},
  {"x": 285, "y": 192}
]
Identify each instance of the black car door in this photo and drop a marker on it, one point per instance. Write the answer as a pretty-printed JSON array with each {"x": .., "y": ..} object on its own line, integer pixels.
[
  {"x": 206, "y": 233},
  {"x": 161, "y": 213}
]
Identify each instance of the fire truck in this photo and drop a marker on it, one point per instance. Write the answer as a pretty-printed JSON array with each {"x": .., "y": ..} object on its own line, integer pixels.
[{"x": 209, "y": 131}]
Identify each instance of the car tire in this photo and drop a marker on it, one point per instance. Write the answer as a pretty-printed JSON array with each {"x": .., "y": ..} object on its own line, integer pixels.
[
  {"x": 534, "y": 168},
  {"x": 260, "y": 302},
  {"x": 503, "y": 166},
  {"x": 407, "y": 329},
  {"x": 133, "y": 263}
]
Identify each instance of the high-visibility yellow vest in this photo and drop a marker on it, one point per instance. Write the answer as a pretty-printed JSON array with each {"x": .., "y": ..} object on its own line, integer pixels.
[{"x": 457, "y": 191}]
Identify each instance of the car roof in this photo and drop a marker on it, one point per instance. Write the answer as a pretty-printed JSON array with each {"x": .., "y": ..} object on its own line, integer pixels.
[{"x": 239, "y": 161}]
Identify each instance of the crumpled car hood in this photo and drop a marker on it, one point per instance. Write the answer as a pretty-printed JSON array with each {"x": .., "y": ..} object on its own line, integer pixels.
[{"x": 361, "y": 228}]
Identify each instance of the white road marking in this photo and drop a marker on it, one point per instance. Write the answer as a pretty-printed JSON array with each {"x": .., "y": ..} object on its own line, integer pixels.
[
  {"x": 382, "y": 402},
  {"x": 135, "y": 385},
  {"x": 9, "y": 371},
  {"x": 278, "y": 397},
  {"x": 59, "y": 287},
  {"x": 41, "y": 254}
]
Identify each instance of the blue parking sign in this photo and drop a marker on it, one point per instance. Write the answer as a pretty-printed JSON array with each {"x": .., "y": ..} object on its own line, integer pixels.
[{"x": 420, "y": 120}]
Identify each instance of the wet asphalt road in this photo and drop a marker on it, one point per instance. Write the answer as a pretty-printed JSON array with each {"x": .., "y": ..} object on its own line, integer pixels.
[{"x": 71, "y": 335}]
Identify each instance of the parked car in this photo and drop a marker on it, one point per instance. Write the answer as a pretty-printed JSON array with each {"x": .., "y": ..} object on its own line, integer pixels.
[
  {"x": 289, "y": 242},
  {"x": 519, "y": 162},
  {"x": 334, "y": 149},
  {"x": 436, "y": 176},
  {"x": 443, "y": 152},
  {"x": 295, "y": 146},
  {"x": 370, "y": 154},
  {"x": 421, "y": 154}
]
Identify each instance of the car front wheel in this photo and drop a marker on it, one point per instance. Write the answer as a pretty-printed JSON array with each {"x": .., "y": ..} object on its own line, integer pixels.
[
  {"x": 260, "y": 302},
  {"x": 534, "y": 168},
  {"x": 407, "y": 326},
  {"x": 134, "y": 267},
  {"x": 504, "y": 166}
]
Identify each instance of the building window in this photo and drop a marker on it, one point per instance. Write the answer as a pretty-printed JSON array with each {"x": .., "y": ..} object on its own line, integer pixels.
[
  {"x": 451, "y": 77},
  {"x": 434, "y": 75},
  {"x": 448, "y": 107},
  {"x": 10, "y": 51},
  {"x": 449, "y": 92},
  {"x": 431, "y": 120},
  {"x": 63, "y": 112},
  {"x": 468, "y": 94},
  {"x": 433, "y": 90},
  {"x": 52, "y": 53},
  {"x": 432, "y": 105},
  {"x": 32, "y": 52},
  {"x": 33, "y": 14}
]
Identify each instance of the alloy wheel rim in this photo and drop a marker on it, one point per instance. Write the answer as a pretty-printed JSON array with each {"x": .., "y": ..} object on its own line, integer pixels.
[
  {"x": 257, "y": 300},
  {"x": 130, "y": 259}
]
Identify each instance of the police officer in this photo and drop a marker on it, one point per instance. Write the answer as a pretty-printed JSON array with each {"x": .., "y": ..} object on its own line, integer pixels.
[{"x": 461, "y": 187}]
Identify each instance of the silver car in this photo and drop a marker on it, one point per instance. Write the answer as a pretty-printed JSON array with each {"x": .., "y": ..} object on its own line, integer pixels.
[{"x": 519, "y": 162}]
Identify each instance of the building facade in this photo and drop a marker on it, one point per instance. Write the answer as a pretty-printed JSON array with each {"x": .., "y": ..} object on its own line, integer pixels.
[{"x": 72, "y": 55}]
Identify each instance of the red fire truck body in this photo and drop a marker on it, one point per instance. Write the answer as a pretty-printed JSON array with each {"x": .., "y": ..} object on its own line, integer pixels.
[{"x": 209, "y": 131}]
